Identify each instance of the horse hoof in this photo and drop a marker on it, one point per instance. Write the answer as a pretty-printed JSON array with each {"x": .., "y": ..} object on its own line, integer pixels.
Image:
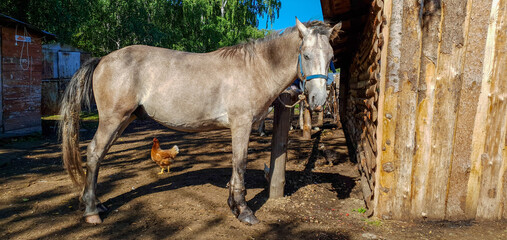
[
  {"x": 248, "y": 218},
  {"x": 93, "y": 219}
]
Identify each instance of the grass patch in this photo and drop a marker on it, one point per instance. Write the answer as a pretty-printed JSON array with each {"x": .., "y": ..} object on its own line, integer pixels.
[
  {"x": 51, "y": 118},
  {"x": 84, "y": 116},
  {"x": 372, "y": 222},
  {"x": 359, "y": 210},
  {"x": 88, "y": 116}
]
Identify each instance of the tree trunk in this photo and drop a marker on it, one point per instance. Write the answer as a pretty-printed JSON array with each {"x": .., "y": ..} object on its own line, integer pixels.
[{"x": 222, "y": 8}]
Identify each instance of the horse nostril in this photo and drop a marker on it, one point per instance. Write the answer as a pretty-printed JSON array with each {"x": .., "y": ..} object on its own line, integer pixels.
[{"x": 313, "y": 98}]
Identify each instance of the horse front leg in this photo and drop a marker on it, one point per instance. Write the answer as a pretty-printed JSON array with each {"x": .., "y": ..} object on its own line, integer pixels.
[{"x": 237, "y": 191}]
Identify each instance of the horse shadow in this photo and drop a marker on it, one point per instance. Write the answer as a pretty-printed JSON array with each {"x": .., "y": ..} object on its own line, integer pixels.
[{"x": 254, "y": 179}]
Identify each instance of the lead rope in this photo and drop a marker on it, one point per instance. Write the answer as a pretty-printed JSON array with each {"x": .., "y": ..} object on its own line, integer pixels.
[{"x": 301, "y": 97}]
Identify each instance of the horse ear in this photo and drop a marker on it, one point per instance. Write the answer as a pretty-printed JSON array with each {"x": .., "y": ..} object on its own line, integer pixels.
[
  {"x": 335, "y": 30},
  {"x": 303, "y": 31}
]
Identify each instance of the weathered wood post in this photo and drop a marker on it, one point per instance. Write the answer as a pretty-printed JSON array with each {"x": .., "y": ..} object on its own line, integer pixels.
[
  {"x": 334, "y": 107},
  {"x": 301, "y": 110},
  {"x": 279, "y": 141},
  {"x": 307, "y": 124},
  {"x": 320, "y": 119}
]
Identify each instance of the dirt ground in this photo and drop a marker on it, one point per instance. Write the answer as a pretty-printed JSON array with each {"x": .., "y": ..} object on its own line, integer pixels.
[{"x": 323, "y": 201}]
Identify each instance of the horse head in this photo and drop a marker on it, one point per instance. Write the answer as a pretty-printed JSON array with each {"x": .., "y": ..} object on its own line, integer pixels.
[{"x": 314, "y": 60}]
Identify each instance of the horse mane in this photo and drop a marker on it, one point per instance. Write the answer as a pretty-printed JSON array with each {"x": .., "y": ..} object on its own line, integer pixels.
[{"x": 248, "y": 48}]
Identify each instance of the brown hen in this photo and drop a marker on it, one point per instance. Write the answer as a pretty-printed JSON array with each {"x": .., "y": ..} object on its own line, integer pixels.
[{"x": 164, "y": 158}]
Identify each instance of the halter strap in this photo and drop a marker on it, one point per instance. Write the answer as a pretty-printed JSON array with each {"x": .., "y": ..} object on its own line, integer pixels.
[
  {"x": 331, "y": 65},
  {"x": 303, "y": 81}
]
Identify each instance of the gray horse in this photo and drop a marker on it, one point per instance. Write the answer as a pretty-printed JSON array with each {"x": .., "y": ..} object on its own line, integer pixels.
[{"x": 231, "y": 87}]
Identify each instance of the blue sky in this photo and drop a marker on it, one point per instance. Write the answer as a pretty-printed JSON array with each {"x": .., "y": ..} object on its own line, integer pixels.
[{"x": 305, "y": 10}]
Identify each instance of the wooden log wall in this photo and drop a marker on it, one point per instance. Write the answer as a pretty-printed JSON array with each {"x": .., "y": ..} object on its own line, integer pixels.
[
  {"x": 440, "y": 140},
  {"x": 359, "y": 109}
]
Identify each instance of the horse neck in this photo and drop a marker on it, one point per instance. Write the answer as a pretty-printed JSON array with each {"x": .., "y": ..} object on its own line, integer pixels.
[{"x": 280, "y": 62}]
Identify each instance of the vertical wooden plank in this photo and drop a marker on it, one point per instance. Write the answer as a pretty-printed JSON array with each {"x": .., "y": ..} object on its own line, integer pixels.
[
  {"x": 421, "y": 178},
  {"x": 431, "y": 17},
  {"x": 377, "y": 199},
  {"x": 388, "y": 99},
  {"x": 447, "y": 93},
  {"x": 491, "y": 196},
  {"x": 387, "y": 171},
  {"x": 483, "y": 109},
  {"x": 467, "y": 107},
  {"x": 398, "y": 140},
  {"x": 408, "y": 73}
]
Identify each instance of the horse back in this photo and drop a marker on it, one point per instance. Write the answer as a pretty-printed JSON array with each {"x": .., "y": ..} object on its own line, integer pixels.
[{"x": 184, "y": 91}]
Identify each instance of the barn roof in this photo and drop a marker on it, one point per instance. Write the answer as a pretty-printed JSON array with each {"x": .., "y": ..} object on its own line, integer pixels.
[
  {"x": 9, "y": 21},
  {"x": 353, "y": 15}
]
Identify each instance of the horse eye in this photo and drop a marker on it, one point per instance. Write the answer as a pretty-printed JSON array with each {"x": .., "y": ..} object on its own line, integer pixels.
[{"x": 306, "y": 57}]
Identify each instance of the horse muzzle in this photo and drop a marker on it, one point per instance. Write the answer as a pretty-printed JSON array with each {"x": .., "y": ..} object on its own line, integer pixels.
[{"x": 316, "y": 102}]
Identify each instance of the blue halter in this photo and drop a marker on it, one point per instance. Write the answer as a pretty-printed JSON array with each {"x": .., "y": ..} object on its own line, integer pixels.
[{"x": 331, "y": 66}]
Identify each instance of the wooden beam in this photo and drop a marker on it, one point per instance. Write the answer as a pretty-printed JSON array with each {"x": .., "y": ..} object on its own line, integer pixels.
[{"x": 279, "y": 141}]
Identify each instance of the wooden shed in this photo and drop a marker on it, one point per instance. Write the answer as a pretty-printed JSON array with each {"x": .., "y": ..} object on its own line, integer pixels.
[
  {"x": 423, "y": 101},
  {"x": 60, "y": 63},
  {"x": 20, "y": 76}
]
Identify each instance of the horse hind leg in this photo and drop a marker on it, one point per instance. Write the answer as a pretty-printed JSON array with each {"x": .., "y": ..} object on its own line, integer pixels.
[{"x": 110, "y": 128}]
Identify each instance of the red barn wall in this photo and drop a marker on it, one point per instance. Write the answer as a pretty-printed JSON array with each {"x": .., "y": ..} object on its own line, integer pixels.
[{"x": 21, "y": 79}]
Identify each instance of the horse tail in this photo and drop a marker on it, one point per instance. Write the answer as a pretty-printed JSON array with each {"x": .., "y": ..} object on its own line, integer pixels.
[{"x": 77, "y": 92}]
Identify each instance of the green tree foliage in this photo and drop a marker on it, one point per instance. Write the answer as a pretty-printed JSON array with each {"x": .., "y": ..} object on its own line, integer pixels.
[{"x": 102, "y": 26}]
